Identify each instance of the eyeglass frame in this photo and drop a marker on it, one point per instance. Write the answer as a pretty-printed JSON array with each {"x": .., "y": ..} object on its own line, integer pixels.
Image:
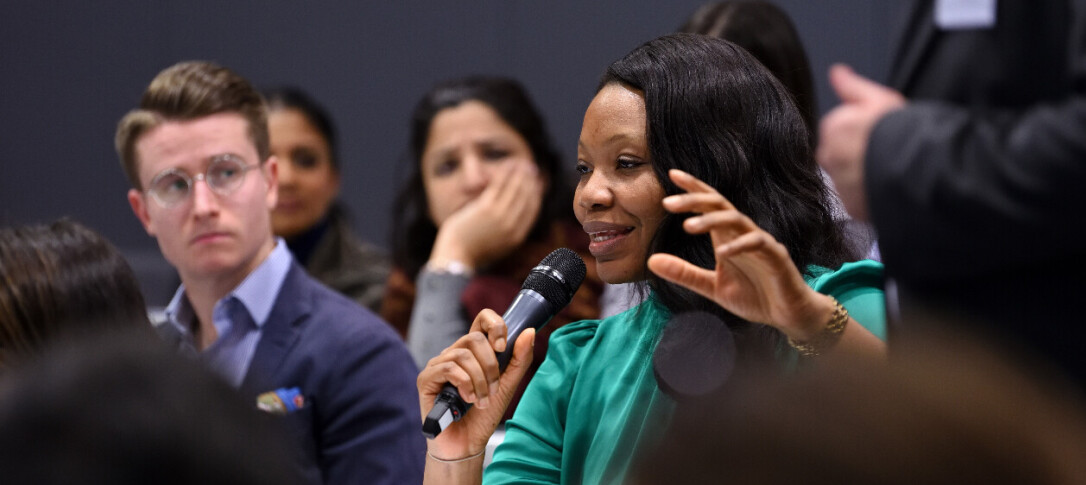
[{"x": 190, "y": 180}]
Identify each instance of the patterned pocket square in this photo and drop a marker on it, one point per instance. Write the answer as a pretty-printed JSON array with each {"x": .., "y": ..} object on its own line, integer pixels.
[{"x": 281, "y": 401}]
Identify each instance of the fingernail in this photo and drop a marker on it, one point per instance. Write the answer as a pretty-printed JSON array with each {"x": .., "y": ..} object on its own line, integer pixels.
[
  {"x": 484, "y": 403},
  {"x": 671, "y": 200},
  {"x": 494, "y": 388},
  {"x": 695, "y": 222},
  {"x": 499, "y": 344}
]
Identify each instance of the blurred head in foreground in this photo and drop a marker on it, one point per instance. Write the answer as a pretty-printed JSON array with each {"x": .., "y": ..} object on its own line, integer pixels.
[
  {"x": 113, "y": 409},
  {"x": 942, "y": 411},
  {"x": 59, "y": 280}
]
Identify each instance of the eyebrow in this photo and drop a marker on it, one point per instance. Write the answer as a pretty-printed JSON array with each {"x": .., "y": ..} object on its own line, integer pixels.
[
  {"x": 221, "y": 156},
  {"x": 444, "y": 153},
  {"x": 623, "y": 136}
]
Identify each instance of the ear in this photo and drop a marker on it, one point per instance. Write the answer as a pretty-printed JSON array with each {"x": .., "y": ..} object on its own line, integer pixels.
[
  {"x": 139, "y": 207},
  {"x": 271, "y": 177}
]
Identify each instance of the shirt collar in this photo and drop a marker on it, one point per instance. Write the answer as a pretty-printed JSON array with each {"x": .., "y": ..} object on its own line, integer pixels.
[{"x": 257, "y": 292}]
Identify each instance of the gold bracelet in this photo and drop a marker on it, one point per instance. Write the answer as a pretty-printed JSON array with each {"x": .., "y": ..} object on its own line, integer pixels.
[
  {"x": 829, "y": 335},
  {"x": 472, "y": 457}
]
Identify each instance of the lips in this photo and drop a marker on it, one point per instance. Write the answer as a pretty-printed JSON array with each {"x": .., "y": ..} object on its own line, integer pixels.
[
  {"x": 288, "y": 205},
  {"x": 605, "y": 238},
  {"x": 209, "y": 237}
]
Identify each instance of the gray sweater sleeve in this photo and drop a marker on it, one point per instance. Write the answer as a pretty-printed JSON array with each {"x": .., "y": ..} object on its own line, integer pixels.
[{"x": 437, "y": 319}]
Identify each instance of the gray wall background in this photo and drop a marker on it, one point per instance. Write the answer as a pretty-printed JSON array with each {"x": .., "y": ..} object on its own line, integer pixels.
[{"x": 72, "y": 69}]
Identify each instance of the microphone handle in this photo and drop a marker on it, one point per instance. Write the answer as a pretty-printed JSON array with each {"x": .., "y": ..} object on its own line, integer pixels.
[{"x": 529, "y": 309}]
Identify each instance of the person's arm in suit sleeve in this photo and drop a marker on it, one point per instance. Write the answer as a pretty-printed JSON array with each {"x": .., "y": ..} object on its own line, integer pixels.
[
  {"x": 951, "y": 190},
  {"x": 959, "y": 191},
  {"x": 369, "y": 431}
]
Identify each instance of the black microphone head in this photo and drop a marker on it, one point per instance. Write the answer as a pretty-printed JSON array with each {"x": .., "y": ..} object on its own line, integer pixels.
[{"x": 557, "y": 277}]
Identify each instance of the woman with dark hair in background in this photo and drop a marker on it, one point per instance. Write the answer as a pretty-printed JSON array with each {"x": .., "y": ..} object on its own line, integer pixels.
[
  {"x": 62, "y": 280},
  {"x": 766, "y": 31},
  {"x": 693, "y": 153},
  {"x": 484, "y": 203},
  {"x": 307, "y": 216}
]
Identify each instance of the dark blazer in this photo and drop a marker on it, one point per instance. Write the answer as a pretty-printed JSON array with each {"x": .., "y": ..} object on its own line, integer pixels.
[
  {"x": 348, "y": 265},
  {"x": 360, "y": 422},
  {"x": 976, "y": 188}
]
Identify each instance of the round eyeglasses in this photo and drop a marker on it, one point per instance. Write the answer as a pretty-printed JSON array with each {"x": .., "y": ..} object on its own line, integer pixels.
[{"x": 224, "y": 175}]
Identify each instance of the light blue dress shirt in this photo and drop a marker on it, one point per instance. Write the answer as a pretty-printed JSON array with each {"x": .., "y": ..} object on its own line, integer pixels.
[{"x": 238, "y": 317}]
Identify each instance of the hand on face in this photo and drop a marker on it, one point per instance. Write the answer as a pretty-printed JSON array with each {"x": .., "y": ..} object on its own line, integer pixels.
[
  {"x": 471, "y": 365},
  {"x": 754, "y": 277},
  {"x": 844, "y": 132},
  {"x": 496, "y": 222}
]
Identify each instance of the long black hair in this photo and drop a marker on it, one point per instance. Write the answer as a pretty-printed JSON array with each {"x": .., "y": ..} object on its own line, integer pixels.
[
  {"x": 715, "y": 112},
  {"x": 413, "y": 232},
  {"x": 766, "y": 31}
]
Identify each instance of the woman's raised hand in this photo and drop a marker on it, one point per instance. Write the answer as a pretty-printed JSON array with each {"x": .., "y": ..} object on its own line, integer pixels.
[
  {"x": 754, "y": 277},
  {"x": 471, "y": 365},
  {"x": 492, "y": 225}
]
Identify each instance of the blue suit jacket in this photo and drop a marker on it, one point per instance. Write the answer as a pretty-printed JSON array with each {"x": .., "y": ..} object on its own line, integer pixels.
[{"x": 360, "y": 422}]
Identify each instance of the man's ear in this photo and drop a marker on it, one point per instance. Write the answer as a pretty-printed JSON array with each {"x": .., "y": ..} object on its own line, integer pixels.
[
  {"x": 271, "y": 176},
  {"x": 139, "y": 207}
]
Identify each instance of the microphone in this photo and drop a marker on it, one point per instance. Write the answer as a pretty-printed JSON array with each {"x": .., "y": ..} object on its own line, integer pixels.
[{"x": 548, "y": 288}]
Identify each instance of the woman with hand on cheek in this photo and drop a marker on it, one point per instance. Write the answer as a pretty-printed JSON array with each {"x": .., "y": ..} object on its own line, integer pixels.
[
  {"x": 690, "y": 152},
  {"x": 484, "y": 203}
]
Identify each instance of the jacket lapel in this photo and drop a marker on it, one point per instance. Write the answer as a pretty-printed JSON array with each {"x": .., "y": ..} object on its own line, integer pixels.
[{"x": 280, "y": 332}]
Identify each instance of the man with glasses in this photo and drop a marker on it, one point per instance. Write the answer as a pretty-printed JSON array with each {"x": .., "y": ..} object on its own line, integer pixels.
[{"x": 203, "y": 181}]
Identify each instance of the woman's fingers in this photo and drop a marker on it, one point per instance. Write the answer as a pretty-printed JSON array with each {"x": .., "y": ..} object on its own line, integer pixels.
[
  {"x": 728, "y": 223},
  {"x": 470, "y": 364},
  {"x": 508, "y": 207},
  {"x": 522, "y": 209},
  {"x": 493, "y": 326},
  {"x": 751, "y": 241},
  {"x": 521, "y": 360},
  {"x": 699, "y": 202},
  {"x": 456, "y": 369},
  {"x": 513, "y": 180},
  {"x": 681, "y": 272},
  {"x": 688, "y": 182},
  {"x": 699, "y": 196},
  {"x": 478, "y": 359}
]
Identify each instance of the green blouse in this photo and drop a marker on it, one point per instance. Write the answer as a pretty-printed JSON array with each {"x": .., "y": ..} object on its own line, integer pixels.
[{"x": 594, "y": 401}]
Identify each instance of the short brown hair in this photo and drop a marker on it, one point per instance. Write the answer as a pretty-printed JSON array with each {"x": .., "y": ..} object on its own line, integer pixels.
[{"x": 187, "y": 91}]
